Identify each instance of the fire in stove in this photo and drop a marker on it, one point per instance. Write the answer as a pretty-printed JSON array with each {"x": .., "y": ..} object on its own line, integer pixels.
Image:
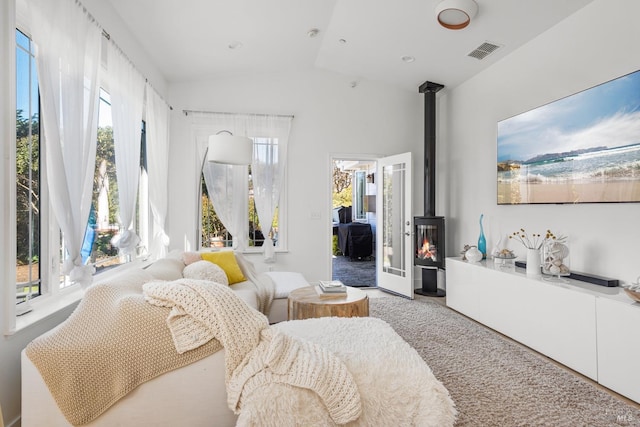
[
  {"x": 429, "y": 241},
  {"x": 427, "y": 251}
]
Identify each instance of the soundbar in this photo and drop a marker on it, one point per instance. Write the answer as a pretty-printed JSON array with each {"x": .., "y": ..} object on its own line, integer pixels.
[{"x": 584, "y": 277}]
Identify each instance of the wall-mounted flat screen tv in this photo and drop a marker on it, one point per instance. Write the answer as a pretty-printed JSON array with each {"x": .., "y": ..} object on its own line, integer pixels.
[{"x": 584, "y": 148}]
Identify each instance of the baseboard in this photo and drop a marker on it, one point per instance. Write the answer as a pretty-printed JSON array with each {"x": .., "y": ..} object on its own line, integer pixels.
[{"x": 15, "y": 423}]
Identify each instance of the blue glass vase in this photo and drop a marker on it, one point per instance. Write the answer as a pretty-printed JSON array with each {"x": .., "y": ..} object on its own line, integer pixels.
[{"x": 482, "y": 242}]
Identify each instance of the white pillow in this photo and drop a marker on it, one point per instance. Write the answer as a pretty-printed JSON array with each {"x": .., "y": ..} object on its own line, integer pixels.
[
  {"x": 205, "y": 270},
  {"x": 166, "y": 269}
]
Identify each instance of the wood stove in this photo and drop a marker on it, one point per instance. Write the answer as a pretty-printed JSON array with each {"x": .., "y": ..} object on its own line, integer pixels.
[
  {"x": 429, "y": 252},
  {"x": 429, "y": 241},
  {"x": 429, "y": 229}
]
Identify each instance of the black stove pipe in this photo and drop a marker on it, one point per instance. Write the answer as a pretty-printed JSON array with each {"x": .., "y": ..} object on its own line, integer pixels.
[{"x": 430, "y": 89}]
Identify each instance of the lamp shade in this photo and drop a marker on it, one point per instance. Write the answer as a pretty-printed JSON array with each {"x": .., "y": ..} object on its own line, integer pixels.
[
  {"x": 230, "y": 149},
  {"x": 456, "y": 14}
]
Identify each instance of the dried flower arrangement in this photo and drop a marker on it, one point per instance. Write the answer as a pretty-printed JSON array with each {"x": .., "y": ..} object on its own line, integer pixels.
[{"x": 533, "y": 241}]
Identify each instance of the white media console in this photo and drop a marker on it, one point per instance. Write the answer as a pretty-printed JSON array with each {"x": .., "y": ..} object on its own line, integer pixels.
[{"x": 589, "y": 328}]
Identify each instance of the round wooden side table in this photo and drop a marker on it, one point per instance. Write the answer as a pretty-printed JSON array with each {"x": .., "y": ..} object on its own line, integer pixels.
[{"x": 306, "y": 303}]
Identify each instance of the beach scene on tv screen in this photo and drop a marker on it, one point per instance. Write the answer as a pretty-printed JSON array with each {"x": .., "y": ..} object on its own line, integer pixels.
[{"x": 584, "y": 148}]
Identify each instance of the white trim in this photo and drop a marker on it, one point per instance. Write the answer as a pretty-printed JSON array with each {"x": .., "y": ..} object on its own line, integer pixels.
[
  {"x": 332, "y": 158},
  {"x": 7, "y": 165}
]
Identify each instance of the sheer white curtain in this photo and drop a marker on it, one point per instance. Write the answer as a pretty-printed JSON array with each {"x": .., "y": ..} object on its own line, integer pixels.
[
  {"x": 226, "y": 184},
  {"x": 68, "y": 44},
  {"x": 158, "y": 168},
  {"x": 267, "y": 169},
  {"x": 126, "y": 87}
]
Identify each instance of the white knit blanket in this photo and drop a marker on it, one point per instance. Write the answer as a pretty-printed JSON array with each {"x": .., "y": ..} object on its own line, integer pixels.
[{"x": 255, "y": 354}]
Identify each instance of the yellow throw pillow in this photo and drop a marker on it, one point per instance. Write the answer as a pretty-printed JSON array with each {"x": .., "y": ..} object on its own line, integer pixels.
[{"x": 227, "y": 261}]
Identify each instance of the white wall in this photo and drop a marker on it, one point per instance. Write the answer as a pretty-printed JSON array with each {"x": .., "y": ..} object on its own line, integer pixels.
[
  {"x": 111, "y": 22},
  {"x": 596, "y": 44},
  {"x": 331, "y": 118},
  {"x": 11, "y": 346}
]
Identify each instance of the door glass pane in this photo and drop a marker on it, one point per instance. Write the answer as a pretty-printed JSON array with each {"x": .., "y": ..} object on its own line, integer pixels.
[
  {"x": 358, "y": 197},
  {"x": 393, "y": 261}
]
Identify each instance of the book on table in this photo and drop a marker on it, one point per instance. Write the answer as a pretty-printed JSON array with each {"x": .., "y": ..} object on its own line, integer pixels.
[
  {"x": 322, "y": 294},
  {"x": 332, "y": 286}
]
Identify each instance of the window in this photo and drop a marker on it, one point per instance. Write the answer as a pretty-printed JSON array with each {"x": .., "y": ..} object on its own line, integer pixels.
[
  {"x": 359, "y": 213},
  {"x": 213, "y": 232},
  {"x": 40, "y": 245},
  {"x": 27, "y": 179},
  {"x": 104, "y": 221}
]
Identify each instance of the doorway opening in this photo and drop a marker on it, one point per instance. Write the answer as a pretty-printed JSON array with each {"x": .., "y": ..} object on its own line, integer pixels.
[{"x": 354, "y": 222}]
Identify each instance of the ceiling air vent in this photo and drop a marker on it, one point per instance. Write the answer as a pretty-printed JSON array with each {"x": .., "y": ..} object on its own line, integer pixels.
[{"x": 483, "y": 50}]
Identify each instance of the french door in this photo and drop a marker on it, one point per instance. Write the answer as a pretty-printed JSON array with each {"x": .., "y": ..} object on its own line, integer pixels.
[{"x": 394, "y": 242}]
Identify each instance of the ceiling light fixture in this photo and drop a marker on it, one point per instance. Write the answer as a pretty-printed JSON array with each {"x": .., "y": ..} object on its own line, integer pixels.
[{"x": 456, "y": 14}]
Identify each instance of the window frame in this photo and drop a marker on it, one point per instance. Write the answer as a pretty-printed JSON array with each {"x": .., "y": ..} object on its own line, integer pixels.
[
  {"x": 49, "y": 228},
  {"x": 32, "y": 132},
  {"x": 359, "y": 190},
  {"x": 52, "y": 298}
]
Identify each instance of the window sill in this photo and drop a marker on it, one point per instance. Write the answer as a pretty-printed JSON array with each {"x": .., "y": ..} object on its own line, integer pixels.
[
  {"x": 47, "y": 306},
  {"x": 260, "y": 250}
]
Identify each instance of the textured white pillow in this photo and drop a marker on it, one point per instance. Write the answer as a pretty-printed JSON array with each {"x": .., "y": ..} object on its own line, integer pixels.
[
  {"x": 205, "y": 270},
  {"x": 166, "y": 269}
]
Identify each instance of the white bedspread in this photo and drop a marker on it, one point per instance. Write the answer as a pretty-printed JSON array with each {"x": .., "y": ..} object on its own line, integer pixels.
[{"x": 397, "y": 388}]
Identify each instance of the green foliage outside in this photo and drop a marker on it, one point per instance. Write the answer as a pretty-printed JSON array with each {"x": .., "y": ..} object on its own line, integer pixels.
[
  {"x": 214, "y": 231},
  {"x": 342, "y": 193},
  {"x": 105, "y": 153},
  {"x": 343, "y": 198},
  {"x": 212, "y": 227},
  {"x": 335, "y": 249},
  {"x": 27, "y": 188}
]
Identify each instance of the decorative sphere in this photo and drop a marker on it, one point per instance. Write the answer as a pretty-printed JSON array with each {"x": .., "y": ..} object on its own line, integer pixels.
[{"x": 473, "y": 254}]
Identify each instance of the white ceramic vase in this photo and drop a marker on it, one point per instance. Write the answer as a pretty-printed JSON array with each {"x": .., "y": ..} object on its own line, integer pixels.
[{"x": 533, "y": 263}]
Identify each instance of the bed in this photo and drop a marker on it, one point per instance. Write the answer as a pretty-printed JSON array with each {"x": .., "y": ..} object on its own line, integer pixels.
[{"x": 394, "y": 385}]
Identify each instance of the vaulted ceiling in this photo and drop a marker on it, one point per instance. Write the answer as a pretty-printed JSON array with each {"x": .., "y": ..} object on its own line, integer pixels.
[{"x": 361, "y": 39}]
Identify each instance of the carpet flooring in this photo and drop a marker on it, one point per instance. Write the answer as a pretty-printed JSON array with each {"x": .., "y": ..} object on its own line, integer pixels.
[
  {"x": 494, "y": 381},
  {"x": 357, "y": 273}
]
